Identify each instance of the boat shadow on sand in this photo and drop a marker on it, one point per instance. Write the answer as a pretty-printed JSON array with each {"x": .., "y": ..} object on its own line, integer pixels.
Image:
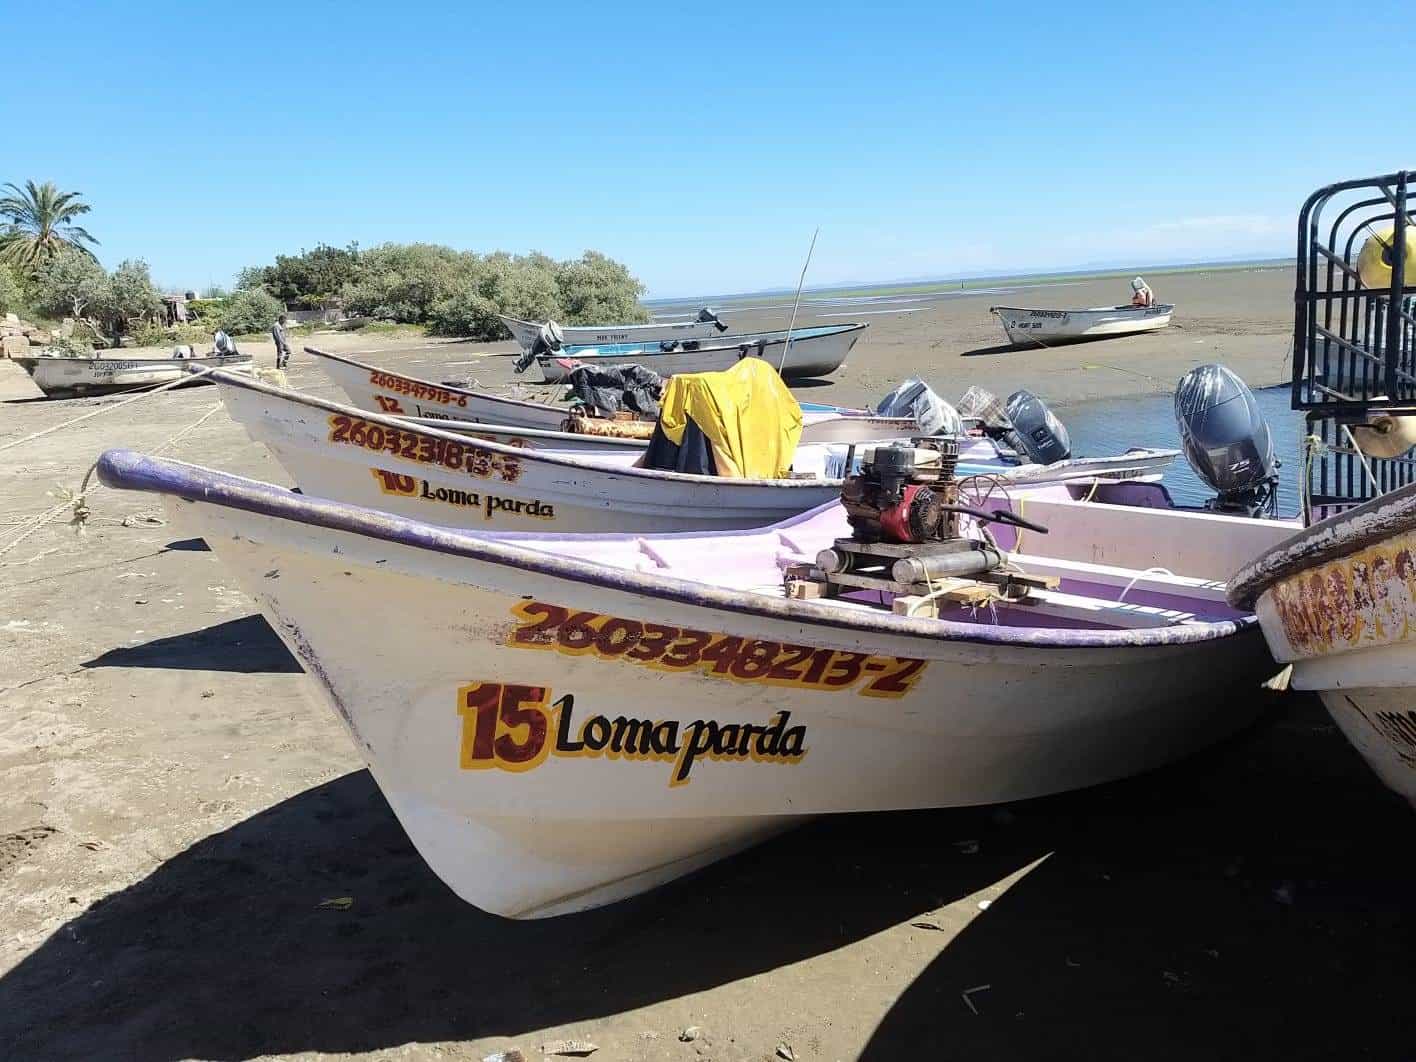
[
  {"x": 1023, "y": 348},
  {"x": 222, "y": 953},
  {"x": 246, "y": 645}
]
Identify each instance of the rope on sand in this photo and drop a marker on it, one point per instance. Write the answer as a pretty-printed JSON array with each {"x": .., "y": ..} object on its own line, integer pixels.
[
  {"x": 192, "y": 373},
  {"x": 77, "y": 503}
]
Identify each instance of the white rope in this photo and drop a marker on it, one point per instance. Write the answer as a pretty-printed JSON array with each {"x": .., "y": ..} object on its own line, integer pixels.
[
  {"x": 1361, "y": 457},
  {"x": 105, "y": 409},
  {"x": 78, "y": 503},
  {"x": 1141, "y": 575}
]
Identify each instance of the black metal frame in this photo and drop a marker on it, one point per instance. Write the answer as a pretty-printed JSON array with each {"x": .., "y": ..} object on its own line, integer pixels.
[{"x": 1354, "y": 348}]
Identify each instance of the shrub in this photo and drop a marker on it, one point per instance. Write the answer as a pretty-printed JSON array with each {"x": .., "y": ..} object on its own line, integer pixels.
[
  {"x": 403, "y": 282},
  {"x": 454, "y": 292},
  {"x": 69, "y": 285},
  {"x": 313, "y": 279},
  {"x": 12, "y": 296},
  {"x": 595, "y": 289},
  {"x": 72, "y": 347},
  {"x": 130, "y": 298},
  {"x": 246, "y": 311}
]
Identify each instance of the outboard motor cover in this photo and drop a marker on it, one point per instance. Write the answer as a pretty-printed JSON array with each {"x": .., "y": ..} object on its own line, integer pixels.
[
  {"x": 707, "y": 314},
  {"x": 549, "y": 340},
  {"x": 1036, "y": 430},
  {"x": 1224, "y": 435},
  {"x": 914, "y": 398}
]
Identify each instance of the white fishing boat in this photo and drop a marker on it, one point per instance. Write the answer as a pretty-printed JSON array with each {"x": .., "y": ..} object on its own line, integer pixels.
[
  {"x": 562, "y": 721},
  {"x": 66, "y": 377},
  {"x": 810, "y": 352},
  {"x": 701, "y": 325},
  {"x": 424, "y": 472},
  {"x": 1025, "y": 325},
  {"x": 377, "y": 390}
]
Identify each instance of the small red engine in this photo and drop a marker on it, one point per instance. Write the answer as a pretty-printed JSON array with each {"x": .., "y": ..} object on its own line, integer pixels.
[{"x": 901, "y": 493}]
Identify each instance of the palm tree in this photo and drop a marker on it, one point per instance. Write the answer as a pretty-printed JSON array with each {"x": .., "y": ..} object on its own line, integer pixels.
[{"x": 41, "y": 224}]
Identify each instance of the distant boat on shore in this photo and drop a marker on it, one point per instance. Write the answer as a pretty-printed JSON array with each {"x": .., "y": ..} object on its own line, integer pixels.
[
  {"x": 63, "y": 377},
  {"x": 815, "y": 351},
  {"x": 526, "y": 333},
  {"x": 1024, "y": 325}
]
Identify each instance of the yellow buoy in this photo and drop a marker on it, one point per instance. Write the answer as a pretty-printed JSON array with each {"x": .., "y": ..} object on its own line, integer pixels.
[
  {"x": 1385, "y": 435},
  {"x": 1374, "y": 261}
]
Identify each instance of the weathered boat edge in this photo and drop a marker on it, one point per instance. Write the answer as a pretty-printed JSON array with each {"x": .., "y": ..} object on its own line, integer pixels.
[
  {"x": 129, "y": 470},
  {"x": 1330, "y": 539}
]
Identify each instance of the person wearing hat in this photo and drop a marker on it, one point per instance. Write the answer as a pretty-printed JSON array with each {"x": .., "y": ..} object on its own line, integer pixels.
[{"x": 1141, "y": 294}]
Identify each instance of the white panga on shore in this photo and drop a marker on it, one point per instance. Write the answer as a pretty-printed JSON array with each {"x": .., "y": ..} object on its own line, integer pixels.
[
  {"x": 1025, "y": 325},
  {"x": 65, "y": 377},
  {"x": 809, "y": 352},
  {"x": 385, "y": 462},
  {"x": 697, "y": 326},
  {"x": 559, "y": 722}
]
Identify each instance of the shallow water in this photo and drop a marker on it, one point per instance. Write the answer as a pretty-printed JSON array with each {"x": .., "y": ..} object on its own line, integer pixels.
[{"x": 1108, "y": 426}]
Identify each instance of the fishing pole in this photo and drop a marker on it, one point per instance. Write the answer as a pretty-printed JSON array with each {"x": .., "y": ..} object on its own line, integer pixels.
[{"x": 787, "y": 344}]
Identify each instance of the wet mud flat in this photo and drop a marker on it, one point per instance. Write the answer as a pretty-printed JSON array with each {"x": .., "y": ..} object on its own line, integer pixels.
[{"x": 177, "y": 813}]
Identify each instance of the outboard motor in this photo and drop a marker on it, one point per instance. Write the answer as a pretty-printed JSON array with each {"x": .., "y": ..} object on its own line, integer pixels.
[
  {"x": 549, "y": 341},
  {"x": 1024, "y": 423},
  {"x": 1227, "y": 441},
  {"x": 1036, "y": 430},
  {"x": 707, "y": 314}
]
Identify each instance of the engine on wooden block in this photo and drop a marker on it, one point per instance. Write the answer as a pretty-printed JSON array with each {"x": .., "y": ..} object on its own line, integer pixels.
[
  {"x": 905, "y": 510},
  {"x": 901, "y": 491}
]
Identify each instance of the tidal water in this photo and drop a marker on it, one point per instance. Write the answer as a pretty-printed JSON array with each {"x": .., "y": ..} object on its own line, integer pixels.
[{"x": 1109, "y": 425}]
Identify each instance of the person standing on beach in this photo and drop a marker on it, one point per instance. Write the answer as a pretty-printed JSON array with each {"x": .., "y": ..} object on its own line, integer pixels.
[{"x": 282, "y": 346}]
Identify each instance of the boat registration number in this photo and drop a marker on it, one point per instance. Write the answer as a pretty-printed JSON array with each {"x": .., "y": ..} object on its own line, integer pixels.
[
  {"x": 424, "y": 449},
  {"x": 722, "y": 656}
]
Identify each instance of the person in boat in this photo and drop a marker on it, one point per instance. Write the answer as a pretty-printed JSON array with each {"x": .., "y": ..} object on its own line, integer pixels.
[
  {"x": 223, "y": 344},
  {"x": 1141, "y": 294},
  {"x": 282, "y": 345}
]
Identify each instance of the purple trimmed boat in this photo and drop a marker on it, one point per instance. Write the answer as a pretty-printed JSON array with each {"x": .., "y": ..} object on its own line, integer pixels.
[{"x": 560, "y": 721}]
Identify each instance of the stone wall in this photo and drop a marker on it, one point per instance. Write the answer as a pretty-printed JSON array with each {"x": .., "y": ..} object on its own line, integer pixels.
[{"x": 18, "y": 337}]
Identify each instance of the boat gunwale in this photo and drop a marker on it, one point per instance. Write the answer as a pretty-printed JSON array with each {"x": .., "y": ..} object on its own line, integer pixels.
[
  {"x": 129, "y": 470},
  {"x": 1155, "y": 309},
  {"x": 718, "y": 342},
  {"x": 1333, "y": 538},
  {"x": 522, "y": 453},
  {"x": 454, "y": 389},
  {"x": 168, "y": 362}
]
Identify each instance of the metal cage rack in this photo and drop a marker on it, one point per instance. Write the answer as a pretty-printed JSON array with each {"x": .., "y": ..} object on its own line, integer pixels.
[{"x": 1354, "y": 345}]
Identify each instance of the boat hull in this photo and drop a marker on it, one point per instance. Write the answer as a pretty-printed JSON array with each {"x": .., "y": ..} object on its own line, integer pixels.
[
  {"x": 526, "y": 332},
  {"x": 1348, "y": 627},
  {"x": 1023, "y": 325},
  {"x": 808, "y": 356},
  {"x": 485, "y": 694},
  {"x": 70, "y": 377},
  {"x": 328, "y": 450},
  {"x": 1337, "y": 601}
]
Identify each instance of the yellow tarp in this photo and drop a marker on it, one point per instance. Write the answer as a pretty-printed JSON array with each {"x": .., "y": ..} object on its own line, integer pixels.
[{"x": 751, "y": 420}]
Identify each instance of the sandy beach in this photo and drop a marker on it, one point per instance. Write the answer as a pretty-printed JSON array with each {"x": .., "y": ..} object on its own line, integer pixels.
[{"x": 176, "y": 811}]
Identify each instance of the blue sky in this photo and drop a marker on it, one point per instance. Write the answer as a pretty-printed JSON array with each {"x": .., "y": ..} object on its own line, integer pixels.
[{"x": 701, "y": 144}]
